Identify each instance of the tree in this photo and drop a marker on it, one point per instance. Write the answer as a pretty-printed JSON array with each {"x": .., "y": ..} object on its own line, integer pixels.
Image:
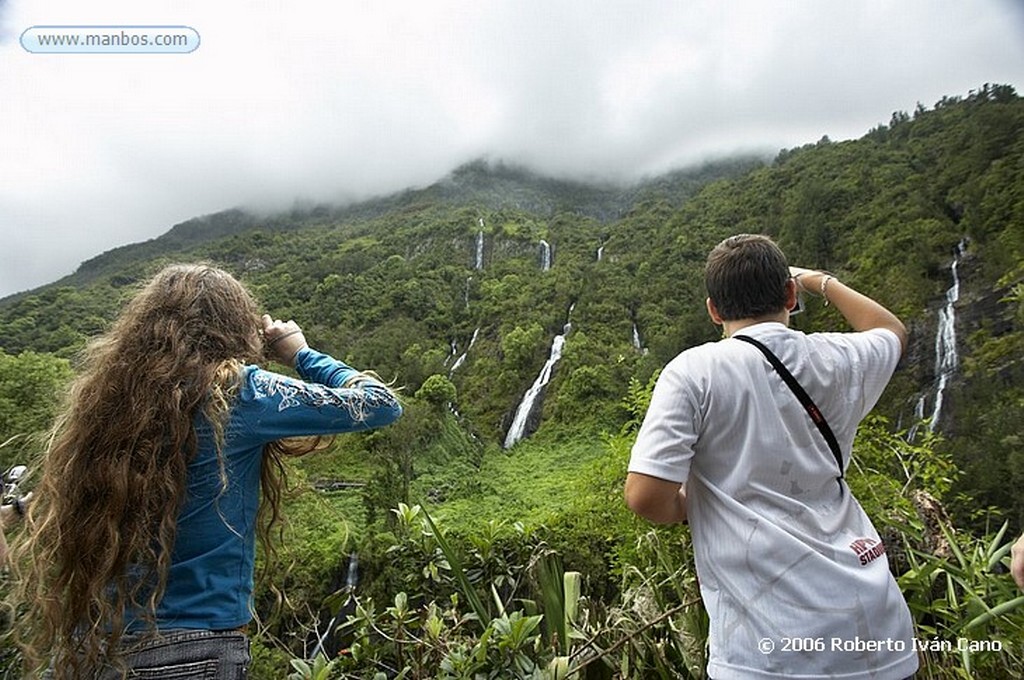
[
  {"x": 30, "y": 389},
  {"x": 438, "y": 391}
]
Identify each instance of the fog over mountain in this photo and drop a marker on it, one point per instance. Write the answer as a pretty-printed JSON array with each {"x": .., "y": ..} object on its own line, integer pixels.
[{"x": 330, "y": 104}]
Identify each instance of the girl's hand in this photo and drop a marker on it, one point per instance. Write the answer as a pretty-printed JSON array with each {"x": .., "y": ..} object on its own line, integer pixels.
[
  {"x": 283, "y": 339},
  {"x": 1017, "y": 562}
]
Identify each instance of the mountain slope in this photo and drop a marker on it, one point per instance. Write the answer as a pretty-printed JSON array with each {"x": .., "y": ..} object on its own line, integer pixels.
[
  {"x": 410, "y": 283},
  {"x": 490, "y": 186}
]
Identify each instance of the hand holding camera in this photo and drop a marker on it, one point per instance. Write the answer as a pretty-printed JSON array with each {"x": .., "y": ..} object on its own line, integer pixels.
[
  {"x": 14, "y": 504},
  {"x": 284, "y": 339}
]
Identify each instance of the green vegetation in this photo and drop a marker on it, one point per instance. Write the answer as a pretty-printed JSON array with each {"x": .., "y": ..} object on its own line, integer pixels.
[
  {"x": 29, "y": 387},
  {"x": 486, "y": 585}
]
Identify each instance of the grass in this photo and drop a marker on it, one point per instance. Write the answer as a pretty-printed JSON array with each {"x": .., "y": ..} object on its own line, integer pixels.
[{"x": 532, "y": 483}]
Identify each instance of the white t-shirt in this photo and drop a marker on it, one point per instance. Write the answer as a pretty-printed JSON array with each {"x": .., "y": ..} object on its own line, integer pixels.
[{"x": 792, "y": 572}]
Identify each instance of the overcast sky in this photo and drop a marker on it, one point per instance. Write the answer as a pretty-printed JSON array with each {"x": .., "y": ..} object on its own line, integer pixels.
[{"x": 330, "y": 101}]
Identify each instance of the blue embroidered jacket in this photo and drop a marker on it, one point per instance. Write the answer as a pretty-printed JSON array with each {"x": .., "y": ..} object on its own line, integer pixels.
[{"x": 210, "y": 583}]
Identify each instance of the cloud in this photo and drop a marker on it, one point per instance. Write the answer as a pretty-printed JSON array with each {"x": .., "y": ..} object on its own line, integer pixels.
[{"x": 330, "y": 102}]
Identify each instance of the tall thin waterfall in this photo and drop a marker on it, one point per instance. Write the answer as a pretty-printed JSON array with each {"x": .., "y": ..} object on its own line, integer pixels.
[
  {"x": 532, "y": 396},
  {"x": 600, "y": 252},
  {"x": 545, "y": 255},
  {"x": 637, "y": 343},
  {"x": 946, "y": 359},
  {"x": 352, "y": 576},
  {"x": 462, "y": 357},
  {"x": 351, "y": 581},
  {"x": 479, "y": 262}
]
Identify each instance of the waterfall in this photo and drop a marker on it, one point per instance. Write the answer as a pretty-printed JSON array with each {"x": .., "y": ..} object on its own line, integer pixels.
[
  {"x": 918, "y": 417},
  {"x": 352, "y": 577},
  {"x": 462, "y": 357},
  {"x": 465, "y": 295},
  {"x": 479, "y": 262},
  {"x": 638, "y": 345},
  {"x": 600, "y": 252},
  {"x": 351, "y": 581},
  {"x": 545, "y": 255},
  {"x": 532, "y": 396},
  {"x": 946, "y": 359},
  {"x": 451, "y": 354}
]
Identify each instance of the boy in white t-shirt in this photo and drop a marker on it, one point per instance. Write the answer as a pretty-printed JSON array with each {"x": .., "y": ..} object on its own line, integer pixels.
[{"x": 792, "y": 572}]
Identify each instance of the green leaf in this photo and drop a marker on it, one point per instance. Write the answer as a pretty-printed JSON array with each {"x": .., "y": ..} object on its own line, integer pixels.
[
  {"x": 459, "y": 573},
  {"x": 994, "y": 613}
]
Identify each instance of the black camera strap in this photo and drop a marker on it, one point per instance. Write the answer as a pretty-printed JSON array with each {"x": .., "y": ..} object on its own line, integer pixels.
[{"x": 805, "y": 399}]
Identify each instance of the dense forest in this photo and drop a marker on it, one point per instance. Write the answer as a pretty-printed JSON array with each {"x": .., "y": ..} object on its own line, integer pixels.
[{"x": 458, "y": 291}]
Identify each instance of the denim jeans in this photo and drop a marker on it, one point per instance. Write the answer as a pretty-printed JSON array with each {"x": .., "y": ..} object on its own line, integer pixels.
[{"x": 182, "y": 655}]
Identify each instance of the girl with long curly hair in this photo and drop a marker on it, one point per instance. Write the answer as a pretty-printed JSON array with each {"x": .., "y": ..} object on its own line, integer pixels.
[{"x": 160, "y": 473}]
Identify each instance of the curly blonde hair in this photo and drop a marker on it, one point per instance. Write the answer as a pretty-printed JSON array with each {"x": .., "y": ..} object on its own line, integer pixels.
[{"x": 102, "y": 524}]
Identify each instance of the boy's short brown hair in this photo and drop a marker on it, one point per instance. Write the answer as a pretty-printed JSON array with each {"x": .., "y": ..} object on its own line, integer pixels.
[{"x": 746, "y": 276}]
